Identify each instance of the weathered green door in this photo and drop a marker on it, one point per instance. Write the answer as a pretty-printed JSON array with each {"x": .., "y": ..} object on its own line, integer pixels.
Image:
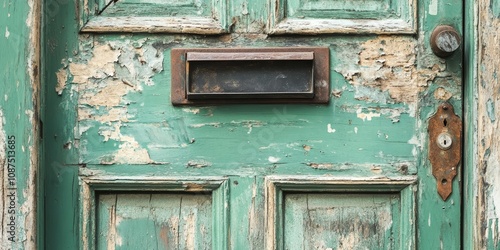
[{"x": 124, "y": 168}]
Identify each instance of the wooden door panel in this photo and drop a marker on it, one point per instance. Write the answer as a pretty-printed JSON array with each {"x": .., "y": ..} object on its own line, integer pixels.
[
  {"x": 337, "y": 221},
  {"x": 198, "y": 17},
  {"x": 153, "y": 212},
  {"x": 327, "y": 16},
  {"x": 359, "y": 162},
  {"x": 340, "y": 213},
  {"x": 154, "y": 221}
]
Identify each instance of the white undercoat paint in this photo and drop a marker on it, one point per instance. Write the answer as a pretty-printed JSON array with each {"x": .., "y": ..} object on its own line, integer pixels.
[
  {"x": 433, "y": 7},
  {"x": 273, "y": 159},
  {"x": 329, "y": 129},
  {"x": 493, "y": 179}
]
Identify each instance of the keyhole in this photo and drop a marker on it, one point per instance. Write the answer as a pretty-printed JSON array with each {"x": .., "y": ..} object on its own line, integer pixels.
[
  {"x": 444, "y": 141},
  {"x": 445, "y": 122}
]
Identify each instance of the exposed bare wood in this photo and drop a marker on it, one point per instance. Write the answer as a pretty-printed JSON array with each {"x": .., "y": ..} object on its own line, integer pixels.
[
  {"x": 329, "y": 26},
  {"x": 192, "y": 25},
  {"x": 233, "y": 56},
  {"x": 488, "y": 123},
  {"x": 277, "y": 185}
]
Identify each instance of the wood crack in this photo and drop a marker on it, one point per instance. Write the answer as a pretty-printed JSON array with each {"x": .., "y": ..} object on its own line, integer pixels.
[{"x": 107, "y": 5}]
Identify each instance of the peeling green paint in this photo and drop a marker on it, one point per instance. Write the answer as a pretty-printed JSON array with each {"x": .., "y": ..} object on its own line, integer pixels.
[
  {"x": 108, "y": 113},
  {"x": 19, "y": 129},
  {"x": 495, "y": 8},
  {"x": 490, "y": 107}
]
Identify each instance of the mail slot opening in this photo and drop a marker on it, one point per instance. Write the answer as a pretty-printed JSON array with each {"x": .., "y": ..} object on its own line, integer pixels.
[
  {"x": 250, "y": 79},
  {"x": 249, "y": 75}
]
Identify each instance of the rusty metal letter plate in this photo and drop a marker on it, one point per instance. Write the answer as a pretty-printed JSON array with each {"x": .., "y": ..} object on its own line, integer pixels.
[
  {"x": 445, "y": 147},
  {"x": 252, "y": 75}
]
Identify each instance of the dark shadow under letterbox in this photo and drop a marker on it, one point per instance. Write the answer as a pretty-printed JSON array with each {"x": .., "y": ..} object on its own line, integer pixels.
[{"x": 258, "y": 75}]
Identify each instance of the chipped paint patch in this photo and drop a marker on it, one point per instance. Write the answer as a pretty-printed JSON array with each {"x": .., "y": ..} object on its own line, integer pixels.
[
  {"x": 385, "y": 70},
  {"x": 129, "y": 151},
  {"x": 100, "y": 66},
  {"x": 442, "y": 94},
  {"x": 103, "y": 78},
  {"x": 366, "y": 116},
  {"x": 273, "y": 159},
  {"x": 320, "y": 165},
  {"x": 433, "y": 7},
  {"x": 493, "y": 187},
  {"x": 109, "y": 96},
  {"x": 490, "y": 108},
  {"x": 191, "y": 110},
  {"x": 329, "y": 129},
  {"x": 376, "y": 170},
  {"x": 7, "y": 33},
  {"x": 62, "y": 78},
  {"x": 198, "y": 164},
  {"x": 200, "y": 125}
]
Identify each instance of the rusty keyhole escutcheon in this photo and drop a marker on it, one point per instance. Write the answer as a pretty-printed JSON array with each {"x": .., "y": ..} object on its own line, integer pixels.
[{"x": 445, "y": 147}]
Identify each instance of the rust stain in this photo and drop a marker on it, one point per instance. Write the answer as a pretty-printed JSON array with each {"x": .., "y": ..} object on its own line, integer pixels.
[{"x": 445, "y": 161}]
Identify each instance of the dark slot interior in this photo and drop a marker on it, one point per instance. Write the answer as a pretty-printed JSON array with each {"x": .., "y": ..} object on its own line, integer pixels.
[{"x": 250, "y": 79}]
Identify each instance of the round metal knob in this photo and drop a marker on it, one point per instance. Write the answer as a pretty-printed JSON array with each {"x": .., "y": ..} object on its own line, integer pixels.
[{"x": 445, "y": 40}]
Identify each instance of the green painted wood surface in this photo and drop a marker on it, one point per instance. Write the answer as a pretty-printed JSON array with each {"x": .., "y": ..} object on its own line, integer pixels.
[
  {"x": 362, "y": 9},
  {"x": 19, "y": 138},
  {"x": 469, "y": 221},
  {"x": 167, "y": 221},
  {"x": 108, "y": 113},
  {"x": 439, "y": 220},
  {"x": 59, "y": 36},
  {"x": 336, "y": 221},
  {"x": 158, "y": 8}
]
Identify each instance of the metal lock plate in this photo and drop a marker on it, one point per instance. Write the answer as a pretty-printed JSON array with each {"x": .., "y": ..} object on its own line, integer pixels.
[{"x": 445, "y": 147}]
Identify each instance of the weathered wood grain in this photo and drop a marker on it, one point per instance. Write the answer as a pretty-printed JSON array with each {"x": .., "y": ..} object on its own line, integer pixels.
[
  {"x": 351, "y": 17},
  {"x": 168, "y": 221},
  {"x": 486, "y": 168},
  {"x": 19, "y": 124}
]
